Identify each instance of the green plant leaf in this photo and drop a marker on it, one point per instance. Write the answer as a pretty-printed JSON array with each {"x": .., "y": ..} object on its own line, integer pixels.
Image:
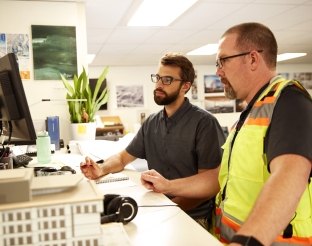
[{"x": 79, "y": 90}]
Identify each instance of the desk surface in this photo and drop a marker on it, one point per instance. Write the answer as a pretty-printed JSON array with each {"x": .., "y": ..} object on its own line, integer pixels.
[
  {"x": 162, "y": 224},
  {"x": 166, "y": 225}
]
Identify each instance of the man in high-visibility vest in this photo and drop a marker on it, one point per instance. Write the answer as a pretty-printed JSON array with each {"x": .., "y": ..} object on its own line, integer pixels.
[{"x": 265, "y": 195}]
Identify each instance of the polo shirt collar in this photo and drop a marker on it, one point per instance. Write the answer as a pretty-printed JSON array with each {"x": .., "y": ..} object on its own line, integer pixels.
[{"x": 180, "y": 112}]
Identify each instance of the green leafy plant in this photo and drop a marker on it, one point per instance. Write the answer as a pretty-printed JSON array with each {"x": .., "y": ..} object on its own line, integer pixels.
[{"x": 82, "y": 103}]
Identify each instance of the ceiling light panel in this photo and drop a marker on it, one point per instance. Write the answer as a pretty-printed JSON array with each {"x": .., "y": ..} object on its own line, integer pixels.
[{"x": 159, "y": 12}]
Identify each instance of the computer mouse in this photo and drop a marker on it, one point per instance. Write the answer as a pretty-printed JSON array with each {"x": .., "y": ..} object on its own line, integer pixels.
[
  {"x": 48, "y": 169},
  {"x": 67, "y": 169}
]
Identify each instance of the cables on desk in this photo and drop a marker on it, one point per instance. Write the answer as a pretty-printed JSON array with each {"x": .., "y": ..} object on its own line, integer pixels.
[{"x": 156, "y": 206}]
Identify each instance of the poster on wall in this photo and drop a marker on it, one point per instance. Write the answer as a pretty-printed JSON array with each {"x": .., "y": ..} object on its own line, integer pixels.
[
  {"x": 19, "y": 45},
  {"x": 212, "y": 84},
  {"x": 219, "y": 104},
  {"x": 2, "y": 44},
  {"x": 54, "y": 52},
  {"x": 305, "y": 79},
  {"x": 129, "y": 96}
]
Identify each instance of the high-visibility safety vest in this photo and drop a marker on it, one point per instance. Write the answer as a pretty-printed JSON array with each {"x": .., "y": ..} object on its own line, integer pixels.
[{"x": 249, "y": 172}]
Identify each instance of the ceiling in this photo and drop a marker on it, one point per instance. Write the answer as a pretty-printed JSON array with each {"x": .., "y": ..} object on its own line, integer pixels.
[{"x": 115, "y": 44}]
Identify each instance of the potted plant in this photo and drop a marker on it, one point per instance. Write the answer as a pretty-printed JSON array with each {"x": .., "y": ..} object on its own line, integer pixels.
[{"x": 83, "y": 103}]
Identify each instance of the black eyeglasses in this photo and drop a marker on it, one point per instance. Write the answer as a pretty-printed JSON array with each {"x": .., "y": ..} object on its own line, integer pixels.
[
  {"x": 166, "y": 80},
  {"x": 221, "y": 60}
]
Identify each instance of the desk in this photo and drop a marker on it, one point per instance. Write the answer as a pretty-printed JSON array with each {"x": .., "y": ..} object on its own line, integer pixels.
[
  {"x": 165, "y": 226},
  {"x": 158, "y": 225}
]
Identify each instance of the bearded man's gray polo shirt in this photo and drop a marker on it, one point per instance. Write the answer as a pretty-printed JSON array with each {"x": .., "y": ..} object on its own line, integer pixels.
[{"x": 178, "y": 146}]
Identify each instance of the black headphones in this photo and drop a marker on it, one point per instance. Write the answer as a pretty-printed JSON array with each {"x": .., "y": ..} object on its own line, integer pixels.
[{"x": 118, "y": 209}]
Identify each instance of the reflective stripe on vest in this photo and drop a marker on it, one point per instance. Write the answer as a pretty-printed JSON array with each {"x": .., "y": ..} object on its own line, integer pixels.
[{"x": 249, "y": 172}]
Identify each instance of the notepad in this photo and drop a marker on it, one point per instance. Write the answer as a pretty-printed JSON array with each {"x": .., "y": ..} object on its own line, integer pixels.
[{"x": 112, "y": 177}]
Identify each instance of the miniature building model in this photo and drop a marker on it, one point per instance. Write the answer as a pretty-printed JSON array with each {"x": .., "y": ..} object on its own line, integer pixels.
[{"x": 71, "y": 217}]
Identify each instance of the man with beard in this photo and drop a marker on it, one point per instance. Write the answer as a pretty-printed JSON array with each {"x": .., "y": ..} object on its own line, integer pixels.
[
  {"x": 266, "y": 169},
  {"x": 181, "y": 140}
]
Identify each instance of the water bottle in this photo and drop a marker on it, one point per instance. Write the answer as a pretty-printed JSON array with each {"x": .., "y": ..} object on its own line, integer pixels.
[{"x": 43, "y": 143}]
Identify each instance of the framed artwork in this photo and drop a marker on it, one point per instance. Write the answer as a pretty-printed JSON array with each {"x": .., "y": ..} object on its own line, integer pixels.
[
  {"x": 54, "y": 52},
  {"x": 212, "y": 84},
  {"x": 129, "y": 96},
  {"x": 219, "y": 104}
]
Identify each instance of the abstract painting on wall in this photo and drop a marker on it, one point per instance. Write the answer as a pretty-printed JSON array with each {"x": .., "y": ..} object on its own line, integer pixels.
[
  {"x": 54, "y": 52},
  {"x": 129, "y": 96}
]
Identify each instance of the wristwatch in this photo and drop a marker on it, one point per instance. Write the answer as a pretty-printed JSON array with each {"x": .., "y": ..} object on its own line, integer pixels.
[{"x": 246, "y": 240}]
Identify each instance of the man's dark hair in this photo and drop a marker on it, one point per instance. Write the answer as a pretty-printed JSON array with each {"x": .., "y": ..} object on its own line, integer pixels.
[
  {"x": 178, "y": 60},
  {"x": 255, "y": 36}
]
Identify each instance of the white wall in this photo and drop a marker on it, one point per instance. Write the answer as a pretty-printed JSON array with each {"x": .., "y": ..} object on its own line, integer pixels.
[
  {"x": 17, "y": 17},
  {"x": 141, "y": 76}
]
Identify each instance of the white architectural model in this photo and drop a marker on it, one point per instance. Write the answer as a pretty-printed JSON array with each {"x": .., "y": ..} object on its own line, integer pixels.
[{"x": 71, "y": 217}]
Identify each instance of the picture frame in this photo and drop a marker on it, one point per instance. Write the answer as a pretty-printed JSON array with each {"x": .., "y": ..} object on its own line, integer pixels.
[
  {"x": 219, "y": 104},
  {"x": 212, "y": 84},
  {"x": 129, "y": 96},
  {"x": 54, "y": 52}
]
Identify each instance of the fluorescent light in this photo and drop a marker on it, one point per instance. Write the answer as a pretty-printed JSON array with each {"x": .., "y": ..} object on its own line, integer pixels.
[
  {"x": 159, "y": 12},
  {"x": 287, "y": 56},
  {"x": 90, "y": 58},
  {"x": 206, "y": 50}
]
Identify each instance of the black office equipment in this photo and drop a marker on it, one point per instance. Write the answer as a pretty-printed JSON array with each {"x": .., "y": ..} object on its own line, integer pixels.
[
  {"x": 15, "y": 118},
  {"x": 21, "y": 160},
  {"x": 118, "y": 209}
]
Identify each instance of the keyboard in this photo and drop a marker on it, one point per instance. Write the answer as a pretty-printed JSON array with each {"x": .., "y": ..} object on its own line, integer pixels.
[{"x": 21, "y": 160}]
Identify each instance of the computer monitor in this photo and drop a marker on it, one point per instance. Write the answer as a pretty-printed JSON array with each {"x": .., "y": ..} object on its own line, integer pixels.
[{"x": 15, "y": 118}]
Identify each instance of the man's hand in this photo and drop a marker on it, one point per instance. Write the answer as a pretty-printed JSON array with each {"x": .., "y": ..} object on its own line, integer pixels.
[
  {"x": 90, "y": 169},
  {"x": 152, "y": 180}
]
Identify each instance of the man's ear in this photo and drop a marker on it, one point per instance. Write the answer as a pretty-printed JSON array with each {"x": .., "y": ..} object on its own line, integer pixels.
[
  {"x": 186, "y": 86},
  {"x": 254, "y": 60}
]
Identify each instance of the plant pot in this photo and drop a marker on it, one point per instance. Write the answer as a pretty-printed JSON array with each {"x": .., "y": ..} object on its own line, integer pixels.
[{"x": 83, "y": 131}]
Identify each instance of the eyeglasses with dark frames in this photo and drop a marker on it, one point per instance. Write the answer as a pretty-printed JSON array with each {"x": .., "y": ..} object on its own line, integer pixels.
[
  {"x": 165, "y": 80},
  {"x": 221, "y": 60}
]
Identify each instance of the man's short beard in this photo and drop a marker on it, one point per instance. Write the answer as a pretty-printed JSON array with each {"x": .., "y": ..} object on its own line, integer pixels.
[
  {"x": 168, "y": 99},
  {"x": 229, "y": 92}
]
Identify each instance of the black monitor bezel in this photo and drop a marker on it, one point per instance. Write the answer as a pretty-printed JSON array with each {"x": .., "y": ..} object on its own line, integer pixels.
[{"x": 23, "y": 131}]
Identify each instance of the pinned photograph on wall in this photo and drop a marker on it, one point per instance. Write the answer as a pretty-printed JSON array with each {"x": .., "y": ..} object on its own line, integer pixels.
[
  {"x": 19, "y": 45},
  {"x": 3, "y": 50},
  {"x": 194, "y": 89},
  {"x": 54, "y": 52},
  {"x": 212, "y": 84},
  {"x": 219, "y": 104},
  {"x": 305, "y": 79},
  {"x": 284, "y": 75},
  {"x": 129, "y": 96}
]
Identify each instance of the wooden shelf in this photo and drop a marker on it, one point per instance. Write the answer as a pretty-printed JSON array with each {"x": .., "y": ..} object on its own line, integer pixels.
[{"x": 112, "y": 125}]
